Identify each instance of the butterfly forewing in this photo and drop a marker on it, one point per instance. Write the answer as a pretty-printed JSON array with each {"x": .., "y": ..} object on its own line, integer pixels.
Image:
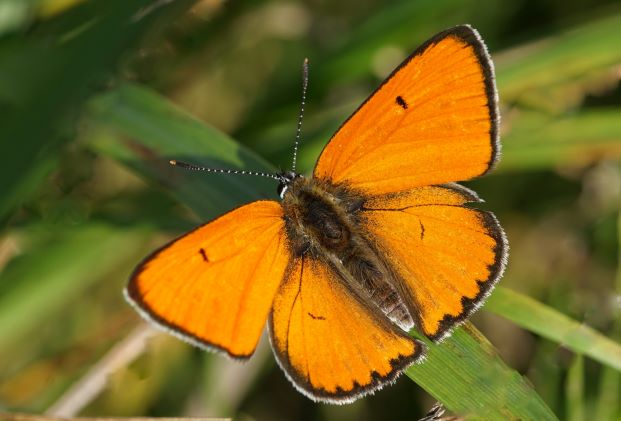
[
  {"x": 433, "y": 121},
  {"x": 214, "y": 286}
]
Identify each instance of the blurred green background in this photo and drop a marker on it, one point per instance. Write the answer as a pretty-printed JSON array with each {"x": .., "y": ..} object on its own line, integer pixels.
[{"x": 97, "y": 96}]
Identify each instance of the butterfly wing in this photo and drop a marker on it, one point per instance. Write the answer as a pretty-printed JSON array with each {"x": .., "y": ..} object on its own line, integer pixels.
[
  {"x": 214, "y": 286},
  {"x": 331, "y": 346},
  {"x": 447, "y": 256},
  {"x": 433, "y": 121}
]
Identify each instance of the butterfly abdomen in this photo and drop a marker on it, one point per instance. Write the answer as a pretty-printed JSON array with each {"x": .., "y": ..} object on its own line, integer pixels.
[
  {"x": 373, "y": 274},
  {"x": 323, "y": 220}
]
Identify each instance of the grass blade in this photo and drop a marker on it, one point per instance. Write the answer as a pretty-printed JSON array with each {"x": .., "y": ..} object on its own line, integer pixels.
[
  {"x": 554, "y": 74},
  {"x": 44, "y": 79},
  {"x": 537, "y": 141},
  {"x": 466, "y": 374},
  {"x": 549, "y": 323},
  {"x": 154, "y": 131},
  {"x": 574, "y": 390},
  {"x": 607, "y": 405},
  {"x": 48, "y": 279}
]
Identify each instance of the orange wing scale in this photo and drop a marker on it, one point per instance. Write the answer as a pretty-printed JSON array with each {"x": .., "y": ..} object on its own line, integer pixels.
[
  {"x": 214, "y": 286},
  {"x": 448, "y": 256},
  {"x": 433, "y": 121},
  {"x": 331, "y": 346}
]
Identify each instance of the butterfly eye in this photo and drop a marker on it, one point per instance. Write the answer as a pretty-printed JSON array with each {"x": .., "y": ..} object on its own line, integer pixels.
[
  {"x": 285, "y": 179},
  {"x": 281, "y": 189}
]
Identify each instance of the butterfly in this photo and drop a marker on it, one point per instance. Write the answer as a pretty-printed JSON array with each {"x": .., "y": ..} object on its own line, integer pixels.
[{"x": 378, "y": 241}]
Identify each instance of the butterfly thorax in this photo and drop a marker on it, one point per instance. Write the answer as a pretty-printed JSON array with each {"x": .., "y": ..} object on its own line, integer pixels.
[
  {"x": 325, "y": 221},
  {"x": 319, "y": 216}
]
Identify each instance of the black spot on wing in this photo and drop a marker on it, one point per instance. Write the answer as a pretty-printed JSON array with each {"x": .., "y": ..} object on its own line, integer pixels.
[
  {"x": 203, "y": 254},
  {"x": 316, "y": 317},
  {"x": 401, "y": 102}
]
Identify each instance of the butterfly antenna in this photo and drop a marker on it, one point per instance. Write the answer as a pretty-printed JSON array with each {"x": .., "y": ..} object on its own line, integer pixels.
[
  {"x": 299, "y": 129},
  {"x": 221, "y": 171}
]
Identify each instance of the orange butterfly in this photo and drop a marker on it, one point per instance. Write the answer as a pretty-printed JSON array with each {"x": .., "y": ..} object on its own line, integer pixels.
[{"x": 376, "y": 242}]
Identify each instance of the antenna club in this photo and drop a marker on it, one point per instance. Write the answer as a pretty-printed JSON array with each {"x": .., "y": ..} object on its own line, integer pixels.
[{"x": 172, "y": 162}]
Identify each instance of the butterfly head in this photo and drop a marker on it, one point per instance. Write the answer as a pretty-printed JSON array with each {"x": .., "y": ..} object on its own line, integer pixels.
[{"x": 285, "y": 178}]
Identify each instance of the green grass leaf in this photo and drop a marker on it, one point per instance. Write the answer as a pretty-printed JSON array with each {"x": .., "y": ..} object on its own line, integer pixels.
[
  {"x": 144, "y": 131},
  {"x": 607, "y": 406},
  {"x": 45, "y": 78},
  {"x": 549, "y": 323},
  {"x": 467, "y": 375},
  {"x": 47, "y": 279},
  {"x": 555, "y": 73},
  {"x": 537, "y": 141},
  {"x": 609, "y": 388},
  {"x": 574, "y": 390}
]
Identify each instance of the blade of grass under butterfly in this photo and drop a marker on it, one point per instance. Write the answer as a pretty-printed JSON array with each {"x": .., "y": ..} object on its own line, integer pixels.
[
  {"x": 148, "y": 131},
  {"x": 467, "y": 375},
  {"x": 549, "y": 323}
]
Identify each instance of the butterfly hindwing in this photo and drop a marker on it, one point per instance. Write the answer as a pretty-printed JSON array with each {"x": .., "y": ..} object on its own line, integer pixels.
[
  {"x": 433, "y": 121},
  {"x": 331, "y": 346},
  {"x": 447, "y": 256},
  {"x": 214, "y": 286}
]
